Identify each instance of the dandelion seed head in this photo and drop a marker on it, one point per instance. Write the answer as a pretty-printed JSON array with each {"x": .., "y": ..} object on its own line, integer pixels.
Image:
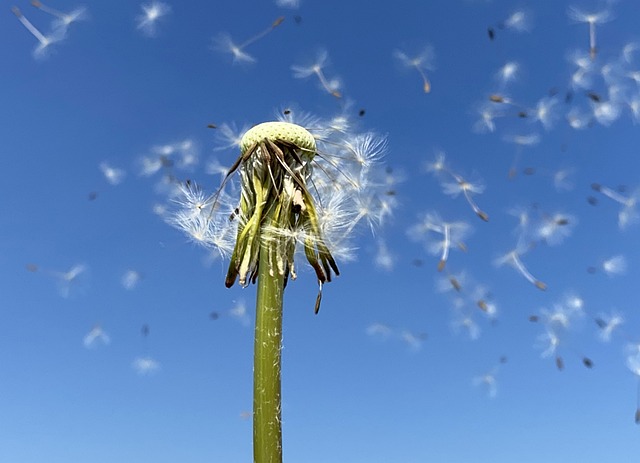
[{"x": 291, "y": 133}]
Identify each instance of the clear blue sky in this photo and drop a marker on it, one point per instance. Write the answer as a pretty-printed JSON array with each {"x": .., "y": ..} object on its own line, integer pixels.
[{"x": 381, "y": 374}]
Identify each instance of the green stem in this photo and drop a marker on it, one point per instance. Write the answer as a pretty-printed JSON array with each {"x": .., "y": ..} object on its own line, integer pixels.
[{"x": 267, "y": 430}]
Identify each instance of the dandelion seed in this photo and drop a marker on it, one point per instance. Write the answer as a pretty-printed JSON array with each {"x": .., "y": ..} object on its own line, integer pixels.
[
  {"x": 608, "y": 324},
  {"x": 518, "y": 21},
  {"x": 379, "y": 330},
  {"x": 488, "y": 379},
  {"x": 554, "y": 228},
  {"x": 239, "y": 312},
  {"x": 63, "y": 19},
  {"x": 130, "y": 279},
  {"x": 520, "y": 141},
  {"x": 424, "y": 61},
  {"x": 614, "y": 266},
  {"x": 414, "y": 341},
  {"x": 96, "y": 336},
  {"x": 113, "y": 175},
  {"x": 628, "y": 214},
  {"x": 467, "y": 189},
  {"x": 468, "y": 324},
  {"x": 71, "y": 280},
  {"x": 633, "y": 363},
  {"x": 512, "y": 258},
  {"x": 332, "y": 87},
  {"x": 145, "y": 365},
  {"x": 384, "y": 259},
  {"x": 592, "y": 19},
  {"x": 508, "y": 73},
  {"x": 152, "y": 13},
  {"x": 453, "y": 234},
  {"x": 606, "y": 112},
  {"x": 545, "y": 112},
  {"x": 225, "y": 44},
  {"x": 487, "y": 114},
  {"x": 293, "y": 4},
  {"x": 450, "y": 282},
  {"x": 44, "y": 42}
]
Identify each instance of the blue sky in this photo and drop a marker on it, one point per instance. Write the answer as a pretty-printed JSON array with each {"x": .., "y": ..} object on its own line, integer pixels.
[{"x": 385, "y": 372}]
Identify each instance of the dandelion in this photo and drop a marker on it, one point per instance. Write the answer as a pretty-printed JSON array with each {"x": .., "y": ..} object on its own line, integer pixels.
[
  {"x": 44, "y": 42},
  {"x": 113, "y": 175},
  {"x": 62, "y": 19},
  {"x": 225, "y": 44},
  {"x": 424, "y": 61},
  {"x": 95, "y": 336},
  {"x": 512, "y": 258},
  {"x": 592, "y": 19},
  {"x": 332, "y": 87},
  {"x": 300, "y": 189},
  {"x": 151, "y": 14}
]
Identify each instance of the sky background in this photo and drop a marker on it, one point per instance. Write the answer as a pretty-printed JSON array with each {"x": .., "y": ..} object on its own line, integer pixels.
[{"x": 384, "y": 372}]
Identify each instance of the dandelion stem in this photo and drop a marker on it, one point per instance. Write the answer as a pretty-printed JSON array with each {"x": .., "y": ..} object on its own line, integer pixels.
[{"x": 267, "y": 430}]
